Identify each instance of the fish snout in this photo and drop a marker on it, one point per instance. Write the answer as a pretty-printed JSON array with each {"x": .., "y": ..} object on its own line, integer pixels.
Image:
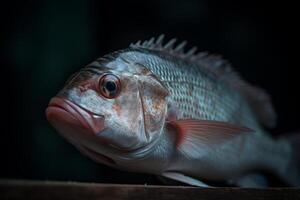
[{"x": 70, "y": 118}]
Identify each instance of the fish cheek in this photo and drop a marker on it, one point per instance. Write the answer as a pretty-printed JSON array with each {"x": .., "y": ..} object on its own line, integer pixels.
[
  {"x": 126, "y": 122},
  {"x": 138, "y": 113}
]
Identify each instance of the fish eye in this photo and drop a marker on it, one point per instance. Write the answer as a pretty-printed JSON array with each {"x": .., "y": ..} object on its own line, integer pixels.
[{"x": 109, "y": 86}]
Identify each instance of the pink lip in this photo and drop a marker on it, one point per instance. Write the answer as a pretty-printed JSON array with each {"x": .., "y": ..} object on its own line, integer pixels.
[{"x": 67, "y": 117}]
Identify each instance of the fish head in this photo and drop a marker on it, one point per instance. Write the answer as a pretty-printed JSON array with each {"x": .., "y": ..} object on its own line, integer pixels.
[{"x": 110, "y": 107}]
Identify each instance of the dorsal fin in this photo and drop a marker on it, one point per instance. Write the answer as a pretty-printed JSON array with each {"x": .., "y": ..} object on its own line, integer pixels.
[{"x": 258, "y": 99}]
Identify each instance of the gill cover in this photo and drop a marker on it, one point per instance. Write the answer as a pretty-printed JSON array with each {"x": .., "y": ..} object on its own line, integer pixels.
[{"x": 139, "y": 112}]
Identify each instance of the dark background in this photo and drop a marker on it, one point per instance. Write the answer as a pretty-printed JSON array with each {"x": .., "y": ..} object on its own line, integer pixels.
[{"x": 46, "y": 41}]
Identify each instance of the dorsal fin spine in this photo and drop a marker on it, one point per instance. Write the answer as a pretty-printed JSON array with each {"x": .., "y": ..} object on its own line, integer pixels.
[{"x": 215, "y": 64}]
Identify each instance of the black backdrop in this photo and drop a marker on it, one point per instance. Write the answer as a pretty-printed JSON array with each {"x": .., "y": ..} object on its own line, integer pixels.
[{"x": 45, "y": 41}]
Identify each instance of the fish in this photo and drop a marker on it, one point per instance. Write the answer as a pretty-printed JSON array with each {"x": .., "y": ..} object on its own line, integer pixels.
[{"x": 157, "y": 109}]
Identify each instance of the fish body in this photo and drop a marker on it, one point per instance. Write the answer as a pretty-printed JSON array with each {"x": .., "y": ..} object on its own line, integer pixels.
[{"x": 189, "y": 117}]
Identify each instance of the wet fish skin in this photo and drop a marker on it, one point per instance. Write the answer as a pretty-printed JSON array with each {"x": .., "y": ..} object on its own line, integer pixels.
[
  {"x": 212, "y": 99},
  {"x": 182, "y": 116}
]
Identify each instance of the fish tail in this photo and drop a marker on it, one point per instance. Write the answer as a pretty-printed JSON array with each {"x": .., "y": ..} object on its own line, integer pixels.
[{"x": 291, "y": 173}]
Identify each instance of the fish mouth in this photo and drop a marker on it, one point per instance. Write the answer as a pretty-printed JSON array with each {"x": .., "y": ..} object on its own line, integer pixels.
[
  {"x": 77, "y": 125},
  {"x": 68, "y": 118}
]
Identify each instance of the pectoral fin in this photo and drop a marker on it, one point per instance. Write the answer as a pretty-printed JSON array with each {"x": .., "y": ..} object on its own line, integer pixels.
[
  {"x": 206, "y": 132},
  {"x": 184, "y": 179}
]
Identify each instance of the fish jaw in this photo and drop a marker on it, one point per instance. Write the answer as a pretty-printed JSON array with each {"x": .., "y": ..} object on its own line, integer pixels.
[{"x": 69, "y": 118}]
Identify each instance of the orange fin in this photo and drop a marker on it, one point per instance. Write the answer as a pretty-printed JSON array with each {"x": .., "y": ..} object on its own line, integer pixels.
[{"x": 206, "y": 131}]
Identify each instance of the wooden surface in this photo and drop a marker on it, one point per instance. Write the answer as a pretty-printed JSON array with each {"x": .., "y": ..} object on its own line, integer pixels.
[{"x": 50, "y": 190}]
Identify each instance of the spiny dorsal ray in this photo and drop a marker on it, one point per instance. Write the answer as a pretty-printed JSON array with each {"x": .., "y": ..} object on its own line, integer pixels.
[{"x": 215, "y": 64}]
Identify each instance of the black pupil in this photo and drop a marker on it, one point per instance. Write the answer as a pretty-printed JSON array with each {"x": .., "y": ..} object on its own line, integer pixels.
[{"x": 110, "y": 86}]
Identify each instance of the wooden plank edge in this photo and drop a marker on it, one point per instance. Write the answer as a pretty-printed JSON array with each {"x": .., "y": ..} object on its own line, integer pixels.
[{"x": 29, "y": 189}]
